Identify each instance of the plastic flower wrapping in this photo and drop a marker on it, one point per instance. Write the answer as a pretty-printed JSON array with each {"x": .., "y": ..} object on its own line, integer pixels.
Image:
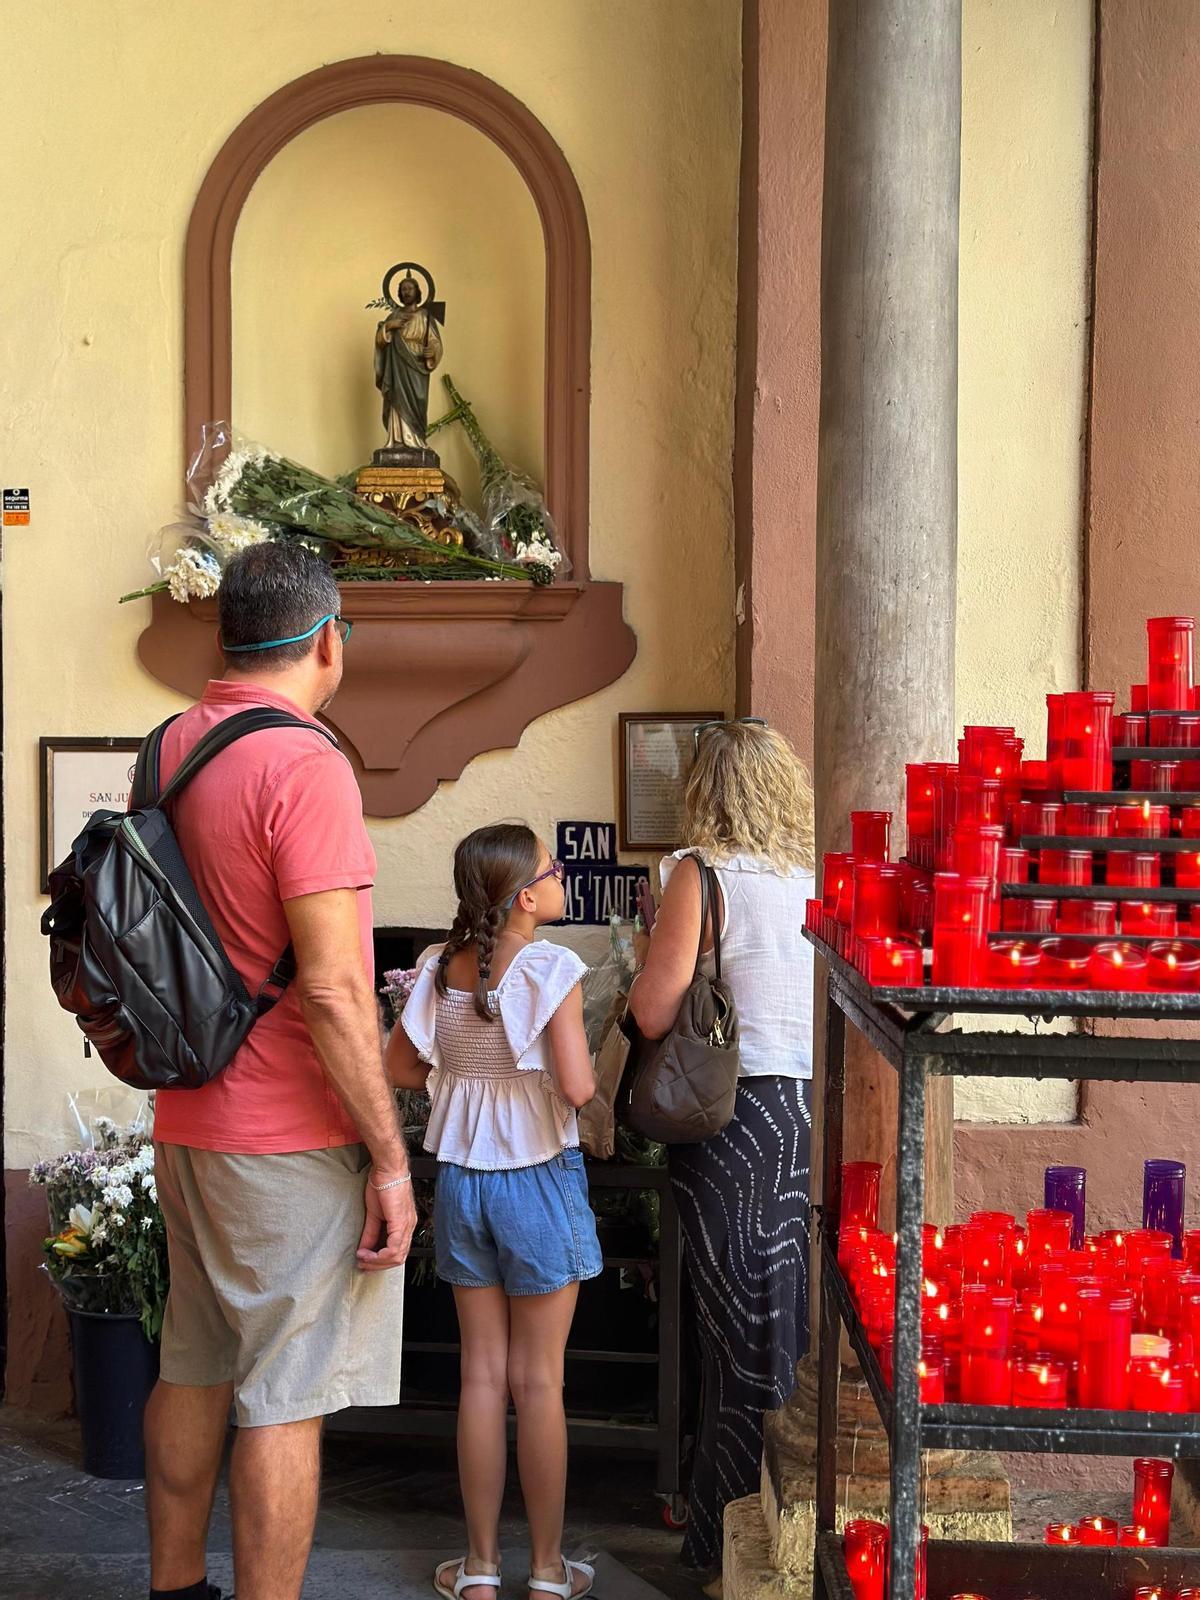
[
  {"x": 108, "y": 1250},
  {"x": 241, "y": 494}
]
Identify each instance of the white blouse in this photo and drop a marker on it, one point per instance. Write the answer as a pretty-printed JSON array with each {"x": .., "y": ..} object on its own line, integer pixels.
[
  {"x": 494, "y": 1102},
  {"x": 766, "y": 960}
]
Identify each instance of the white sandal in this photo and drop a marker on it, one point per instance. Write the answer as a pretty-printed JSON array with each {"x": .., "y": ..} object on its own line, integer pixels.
[
  {"x": 463, "y": 1580},
  {"x": 566, "y": 1591}
]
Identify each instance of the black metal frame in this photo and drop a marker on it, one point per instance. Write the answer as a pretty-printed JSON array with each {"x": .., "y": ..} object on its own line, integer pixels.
[
  {"x": 906, "y": 1027},
  {"x": 662, "y": 1438}
]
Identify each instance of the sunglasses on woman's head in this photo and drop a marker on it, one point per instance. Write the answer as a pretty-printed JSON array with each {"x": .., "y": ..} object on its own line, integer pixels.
[
  {"x": 556, "y": 869},
  {"x": 702, "y": 728}
]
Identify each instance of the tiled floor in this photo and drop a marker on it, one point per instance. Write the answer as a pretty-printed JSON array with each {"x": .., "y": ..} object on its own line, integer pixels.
[{"x": 389, "y": 1511}]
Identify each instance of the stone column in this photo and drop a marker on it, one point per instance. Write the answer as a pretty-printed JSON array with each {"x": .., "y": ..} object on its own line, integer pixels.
[{"x": 887, "y": 466}]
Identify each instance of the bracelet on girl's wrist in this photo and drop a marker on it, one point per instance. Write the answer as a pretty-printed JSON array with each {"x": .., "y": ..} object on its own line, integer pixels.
[{"x": 392, "y": 1183}]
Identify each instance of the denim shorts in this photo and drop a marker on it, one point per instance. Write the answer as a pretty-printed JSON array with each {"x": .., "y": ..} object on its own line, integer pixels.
[{"x": 529, "y": 1231}]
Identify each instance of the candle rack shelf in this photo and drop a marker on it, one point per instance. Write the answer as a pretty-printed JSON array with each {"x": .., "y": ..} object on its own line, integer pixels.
[
  {"x": 1125, "y": 797},
  {"x": 1015, "y": 1571},
  {"x": 1106, "y": 843},
  {"x": 907, "y": 1026},
  {"x": 1097, "y": 891}
]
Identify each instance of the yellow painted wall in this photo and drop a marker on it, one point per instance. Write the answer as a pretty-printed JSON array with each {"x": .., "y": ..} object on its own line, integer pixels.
[
  {"x": 110, "y": 125},
  {"x": 1023, "y": 345}
]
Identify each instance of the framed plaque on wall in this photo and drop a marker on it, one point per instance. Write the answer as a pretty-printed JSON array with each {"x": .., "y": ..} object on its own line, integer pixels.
[
  {"x": 656, "y": 755},
  {"x": 80, "y": 777}
]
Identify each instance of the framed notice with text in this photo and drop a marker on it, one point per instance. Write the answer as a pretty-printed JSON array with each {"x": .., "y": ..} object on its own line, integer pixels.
[
  {"x": 655, "y": 759},
  {"x": 80, "y": 777}
]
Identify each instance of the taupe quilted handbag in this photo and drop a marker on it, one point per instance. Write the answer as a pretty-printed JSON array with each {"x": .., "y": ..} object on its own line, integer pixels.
[{"x": 681, "y": 1089}]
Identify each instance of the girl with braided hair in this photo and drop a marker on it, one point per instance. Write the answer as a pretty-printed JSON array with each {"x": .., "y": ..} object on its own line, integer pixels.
[{"x": 494, "y": 1031}]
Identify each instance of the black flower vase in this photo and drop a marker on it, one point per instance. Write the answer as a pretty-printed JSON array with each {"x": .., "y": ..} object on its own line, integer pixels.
[{"x": 116, "y": 1367}]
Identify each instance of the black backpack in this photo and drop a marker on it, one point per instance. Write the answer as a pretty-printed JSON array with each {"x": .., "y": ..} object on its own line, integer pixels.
[{"x": 133, "y": 954}]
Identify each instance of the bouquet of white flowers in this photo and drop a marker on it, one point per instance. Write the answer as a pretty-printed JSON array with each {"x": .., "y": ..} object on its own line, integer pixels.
[{"x": 108, "y": 1252}]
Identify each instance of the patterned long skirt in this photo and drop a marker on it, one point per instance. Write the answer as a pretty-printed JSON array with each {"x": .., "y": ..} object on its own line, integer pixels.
[{"x": 743, "y": 1207}]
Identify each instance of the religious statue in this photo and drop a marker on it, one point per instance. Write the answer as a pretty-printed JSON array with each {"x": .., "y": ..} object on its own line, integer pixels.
[
  {"x": 408, "y": 346},
  {"x": 405, "y": 476}
]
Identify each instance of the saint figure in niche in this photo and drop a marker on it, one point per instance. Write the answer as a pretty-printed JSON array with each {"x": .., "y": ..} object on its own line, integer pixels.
[{"x": 408, "y": 346}]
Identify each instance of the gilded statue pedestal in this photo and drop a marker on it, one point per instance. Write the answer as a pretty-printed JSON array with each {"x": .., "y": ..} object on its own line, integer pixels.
[{"x": 406, "y": 493}]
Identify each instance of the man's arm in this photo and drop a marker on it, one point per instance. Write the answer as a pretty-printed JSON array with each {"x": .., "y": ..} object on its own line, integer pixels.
[{"x": 339, "y": 1008}]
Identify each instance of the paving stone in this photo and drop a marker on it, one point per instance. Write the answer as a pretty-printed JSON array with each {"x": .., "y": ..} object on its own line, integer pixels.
[{"x": 389, "y": 1513}]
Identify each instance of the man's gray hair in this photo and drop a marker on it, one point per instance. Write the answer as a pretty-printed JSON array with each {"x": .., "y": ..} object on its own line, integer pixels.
[{"x": 274, "y": 591}]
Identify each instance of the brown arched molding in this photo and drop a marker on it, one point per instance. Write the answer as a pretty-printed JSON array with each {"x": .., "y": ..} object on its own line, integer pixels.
[
  {"x": 412, "y": 80},
  {"x": 436, "y": 672}
]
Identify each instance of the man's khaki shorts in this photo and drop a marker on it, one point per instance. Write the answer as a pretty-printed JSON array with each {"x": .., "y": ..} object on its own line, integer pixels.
[{"x": 265, "y": 1290}]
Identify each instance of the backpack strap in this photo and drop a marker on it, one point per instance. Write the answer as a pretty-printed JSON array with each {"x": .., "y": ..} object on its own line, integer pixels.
[
  {"x": 227, "y": 732},
  {"x": 145, "y": 772}
]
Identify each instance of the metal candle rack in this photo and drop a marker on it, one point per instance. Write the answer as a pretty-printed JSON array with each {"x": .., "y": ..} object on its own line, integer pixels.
[{"x": 907, "y": 1027}]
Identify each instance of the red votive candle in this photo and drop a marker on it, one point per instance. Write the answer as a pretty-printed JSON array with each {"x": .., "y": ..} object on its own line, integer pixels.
[
  {"x": 860, "y": 1193},
  {"x": 1132, "y": 869},
  {"x": 1039, "y": 1383},
  {"x": 1041, "y": 818},
  {"x": 1146, "y": 820},
  {"x": 1086, "y": 760},
  {"x": 1119, "y": 968},
  {"x": 1105, "y": 1329},
  {"x": 1191, "y": 1249},
  {"x": 1134, "y": 1537},
  {"x": 918, "y": 802},
  {"x": 1139, "y": 698},
  {"x": 1098, "y": 1531},
  {"x": 1169, "y": 657},
  {"x": 987, "y": 1333},
  {"x": 986, "y": 1253},
  {"x": 895, "y": 962},
  {"x": 837, "y": 877},
  {"x": 1013, "y": 964},
  {"x": 1129, "y": 730},
  {"x": 1156, "y": 1386},
  {"x": 1061, "y": 1533},
  {"x": 870, "y": 834},
  {"x": 1173, "y": 965},
  {"x": 976, "y": 849},
  {"x": 877, "y": 889},
  {"x": 1028, "y": 915},
  {"x": 1189, "y": 822},
  {"x": 865, "y": 1545},
  {"x": 1070, "y": 868},
  {"x": 960, "y": 920},
  {"x": 1014, "y": 865},
  {"x": 1087, "y": 916},
  {"x": 1065, "y": 963},
  {"x": 1187, "y": 869},
  {"x": 1056, "y": 727},
  {"x": 979, "y": 799},
  {"x": 944, "y": 781},
  {"x": 1175, "y": 731},
  {"x": 1152, "y": 1498},
  {"x": 931, "y": 1371},
  {"x": 1153, "y": 917},
  {"x": 1048, "y": 1232}
]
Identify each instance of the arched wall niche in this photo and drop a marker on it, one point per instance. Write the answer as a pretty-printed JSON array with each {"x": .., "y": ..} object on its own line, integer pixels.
[{"x": 444, "y": 670}]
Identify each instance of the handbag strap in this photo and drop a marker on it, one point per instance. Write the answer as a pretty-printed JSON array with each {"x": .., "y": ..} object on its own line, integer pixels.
[{"x": 710, "y": 897}]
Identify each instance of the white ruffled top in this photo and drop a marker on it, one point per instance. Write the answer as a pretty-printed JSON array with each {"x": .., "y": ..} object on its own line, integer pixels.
[{"x": 494, "y": 1102}]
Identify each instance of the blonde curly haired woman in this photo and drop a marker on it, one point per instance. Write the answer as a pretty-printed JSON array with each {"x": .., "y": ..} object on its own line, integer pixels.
[{"x": 743, "y": 1195}]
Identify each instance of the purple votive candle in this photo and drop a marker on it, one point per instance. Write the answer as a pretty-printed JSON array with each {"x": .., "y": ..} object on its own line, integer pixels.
[
  {"x": 1066, "y": 1190},
  {"x": 1162, "y": 1200}
]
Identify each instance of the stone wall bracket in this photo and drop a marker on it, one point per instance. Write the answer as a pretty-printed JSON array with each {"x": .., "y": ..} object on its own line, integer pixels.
[{"x": 435, "y": 673}]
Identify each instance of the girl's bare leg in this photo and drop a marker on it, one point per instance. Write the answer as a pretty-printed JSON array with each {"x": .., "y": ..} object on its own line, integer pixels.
[
  {"x": 538, "y": 1329},
  {"x": 483, "y": 1425}
]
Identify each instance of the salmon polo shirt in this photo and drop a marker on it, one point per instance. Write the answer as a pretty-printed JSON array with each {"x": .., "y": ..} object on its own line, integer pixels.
[{"x": 275, "y": 816}]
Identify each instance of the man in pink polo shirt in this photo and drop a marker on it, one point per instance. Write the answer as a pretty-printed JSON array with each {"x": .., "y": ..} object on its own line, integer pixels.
[{"x": 284, "y": 1182}]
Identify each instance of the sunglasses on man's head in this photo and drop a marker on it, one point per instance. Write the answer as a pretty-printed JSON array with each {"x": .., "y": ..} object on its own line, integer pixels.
[
  {"x": 344, "y": 629},
  {"x": 702, "y": 728},
  {"x": 556, "y": 869}
]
